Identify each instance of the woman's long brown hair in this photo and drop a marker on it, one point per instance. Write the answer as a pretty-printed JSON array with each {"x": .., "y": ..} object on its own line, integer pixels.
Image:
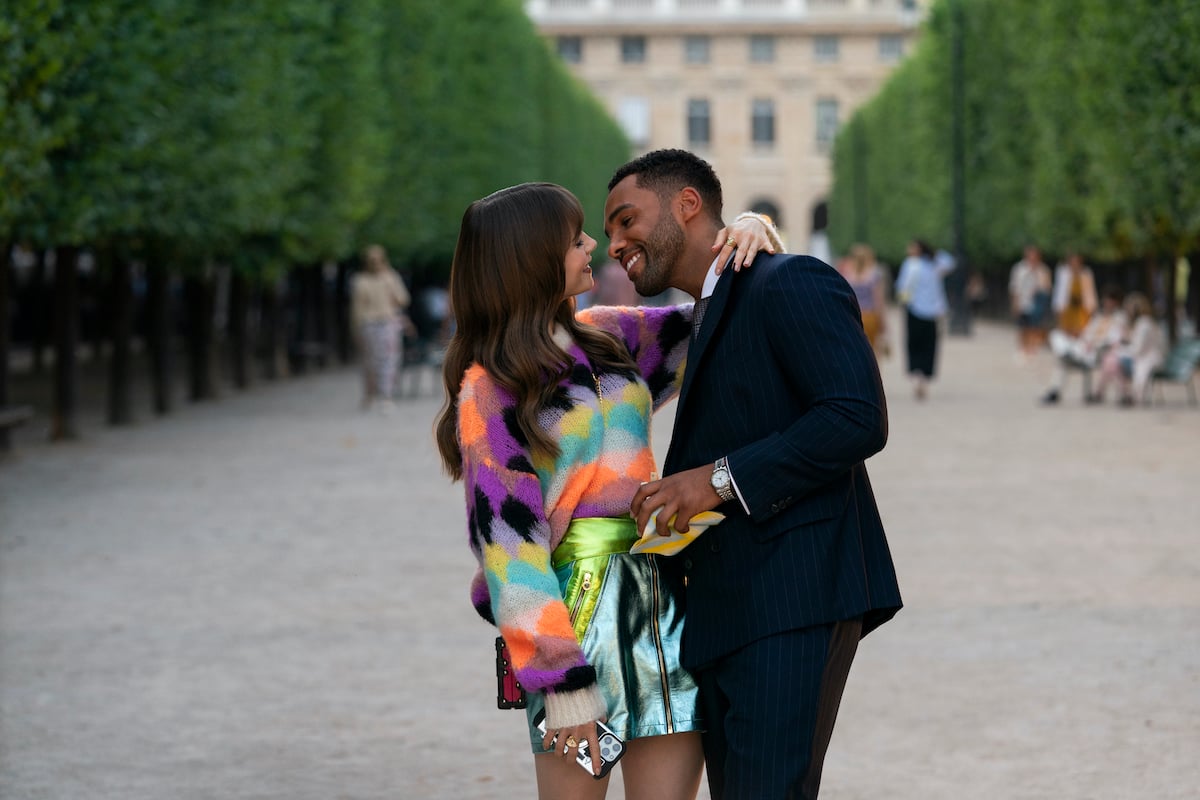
[{"x": 507, "y": 286}]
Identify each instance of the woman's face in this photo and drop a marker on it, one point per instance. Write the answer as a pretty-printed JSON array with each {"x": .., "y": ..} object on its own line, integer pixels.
[{"x": 578, "y": 265}]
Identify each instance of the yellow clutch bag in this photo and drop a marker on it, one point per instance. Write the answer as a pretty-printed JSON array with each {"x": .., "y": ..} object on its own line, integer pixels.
[{"x": 651, "y": 542}]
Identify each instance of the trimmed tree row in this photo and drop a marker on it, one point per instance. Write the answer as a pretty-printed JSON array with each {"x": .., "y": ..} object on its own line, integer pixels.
[
  {"x": 1080, "y": 122},
  {"x": 228, "y": 162}
]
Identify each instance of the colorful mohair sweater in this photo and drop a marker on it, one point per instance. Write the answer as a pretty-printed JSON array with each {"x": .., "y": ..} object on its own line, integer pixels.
[{"x": 519, "y": 504}]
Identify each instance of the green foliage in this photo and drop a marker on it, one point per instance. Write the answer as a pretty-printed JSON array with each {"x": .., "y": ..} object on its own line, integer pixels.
[
  {"x": 479, "y": 103},
  {"x": 1082, "y": 130},
  {"x": 33, "y": 52},
  {"x": 267, "y": 132}
]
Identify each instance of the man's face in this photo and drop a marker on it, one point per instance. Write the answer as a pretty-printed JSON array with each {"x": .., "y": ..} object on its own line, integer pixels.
[{"x": 644, "y": 238}]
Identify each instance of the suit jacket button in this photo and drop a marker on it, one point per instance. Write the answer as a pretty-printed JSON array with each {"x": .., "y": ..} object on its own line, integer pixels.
[
  {"x": 774, "y": 508},
  {"x": 715, "y": 547},
  {"x": 687, "y": 563}
]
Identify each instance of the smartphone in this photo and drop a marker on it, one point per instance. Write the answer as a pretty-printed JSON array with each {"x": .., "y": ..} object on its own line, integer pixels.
[
  {"x": 608, "y": 743},
  {"x": 509, "y": 692}
]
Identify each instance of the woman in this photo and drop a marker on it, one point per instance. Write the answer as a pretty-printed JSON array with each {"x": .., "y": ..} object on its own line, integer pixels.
[
  {"x": 1074, "y": 295},
  {"x": 919, "y": 287},
  {"x": 547, "y": 424},
  {"x": 866, "y": 278},
  {"x": 1134, "y": 359},
  {"x": 1029, "y": 294},
  {"x": 378, "y": 300}
]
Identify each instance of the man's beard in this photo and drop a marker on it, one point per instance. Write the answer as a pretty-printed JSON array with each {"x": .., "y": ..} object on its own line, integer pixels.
[{"x": 661, "y": 251}]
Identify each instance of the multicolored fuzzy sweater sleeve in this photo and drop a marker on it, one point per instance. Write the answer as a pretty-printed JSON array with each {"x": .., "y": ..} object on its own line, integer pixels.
[{"x": 519, "y": 503}]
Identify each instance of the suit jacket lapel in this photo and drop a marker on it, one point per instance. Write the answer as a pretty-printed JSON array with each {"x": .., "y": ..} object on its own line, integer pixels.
[{"x": 716, "y": 307}]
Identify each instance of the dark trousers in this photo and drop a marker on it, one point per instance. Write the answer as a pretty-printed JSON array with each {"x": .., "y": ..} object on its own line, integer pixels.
[
  {"x": 770, "y": 708},
  {"x": 921, "y": 337}
]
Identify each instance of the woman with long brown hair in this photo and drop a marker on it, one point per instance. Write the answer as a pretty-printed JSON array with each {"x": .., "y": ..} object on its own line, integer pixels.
[
  {"x": 866, "y": 278},
  {"x": 547, "y": 424}
]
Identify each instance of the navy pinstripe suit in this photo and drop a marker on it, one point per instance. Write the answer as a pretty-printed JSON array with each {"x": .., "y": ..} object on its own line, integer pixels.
[{"x": 782, "y": 380}]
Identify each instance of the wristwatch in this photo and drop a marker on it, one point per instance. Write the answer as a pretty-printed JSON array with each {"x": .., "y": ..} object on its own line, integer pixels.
[{"x": 721, "y": 480}]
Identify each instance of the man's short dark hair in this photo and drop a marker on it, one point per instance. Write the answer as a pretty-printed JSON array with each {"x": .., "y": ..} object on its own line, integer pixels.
[{"x": 665, "y": 172}]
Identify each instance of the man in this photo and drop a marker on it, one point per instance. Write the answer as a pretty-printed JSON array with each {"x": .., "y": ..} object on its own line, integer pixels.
[{"x": 781, "y": 403}]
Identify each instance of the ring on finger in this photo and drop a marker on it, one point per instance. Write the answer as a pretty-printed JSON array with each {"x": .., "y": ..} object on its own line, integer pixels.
[
  {"x": 571, "y": 742},
  {"x": 731, "y": 242}
]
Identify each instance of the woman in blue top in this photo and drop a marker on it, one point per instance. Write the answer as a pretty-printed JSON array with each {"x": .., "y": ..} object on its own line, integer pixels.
[{"x": 919, "y": 287}]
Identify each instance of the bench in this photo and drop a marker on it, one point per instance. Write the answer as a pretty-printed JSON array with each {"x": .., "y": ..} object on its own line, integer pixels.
[
  {"x": 1180, "y": 366},
  {"x": 421, "y": 356},
  {"x": 12, "y": 417},
  {"x": 1072, "y": 364}
]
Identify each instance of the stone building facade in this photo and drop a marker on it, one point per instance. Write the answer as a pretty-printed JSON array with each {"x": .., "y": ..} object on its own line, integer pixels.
[{"x": 756, "y": 87}]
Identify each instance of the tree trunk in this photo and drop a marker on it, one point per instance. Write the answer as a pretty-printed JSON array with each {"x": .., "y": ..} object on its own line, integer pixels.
[
  {"x": 5, "y": 266},
  {"x": 239, "y": 291},
  {"x": 341, "y": 312},
  {"x": 158, "y": 298},
  {"x": 95, "y": 325},
  {"x": 274, "y": 355},
  {"x": 199, "y": 294},
  {"x": 1193, "y": 301},
  {"x": 298, "y": 335},
  {"x": 120, "y": 315},
  {"x": 1172, "y": 303},
  {"x": 66, "y": 341},
  {"x": 321, "y": 337},
  {"x": 40, "y": 293}
]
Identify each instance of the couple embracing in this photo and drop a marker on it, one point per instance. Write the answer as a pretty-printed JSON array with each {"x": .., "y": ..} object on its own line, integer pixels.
[{"x": 734, "y": 652}]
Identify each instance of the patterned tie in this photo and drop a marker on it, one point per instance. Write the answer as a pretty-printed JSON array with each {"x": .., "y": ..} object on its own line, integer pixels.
[{"x": 698, "y": 315}]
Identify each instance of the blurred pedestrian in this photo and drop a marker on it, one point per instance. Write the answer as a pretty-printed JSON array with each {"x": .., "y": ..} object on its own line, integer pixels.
[
  {"x": 920, "y": 289},
  {"x": 613, "y": 287},
  {"x": 1134, "y": 359},
  {"x": 1106, "y": 328},
  {"x": 866, "y": 278},
  {"x": 378, "y": 302},
  {"x": 1029, "y": 293},
  {"x": 547, "y": 423},
  {"x": 1074, "y": 295}
]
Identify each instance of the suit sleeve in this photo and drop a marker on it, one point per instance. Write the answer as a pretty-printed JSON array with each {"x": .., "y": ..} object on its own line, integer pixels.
[
  {"x": 814, "y": 329},
  {"x": 656, "y": 337},
  {"x": 510, "y": 535}
]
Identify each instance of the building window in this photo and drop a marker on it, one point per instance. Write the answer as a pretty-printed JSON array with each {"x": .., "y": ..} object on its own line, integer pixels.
[
  {"x": 570, "y": 49},
  {"x": 891, "y": 47},
  {"x": 825, "y": 48},
  {"x": 762, "y": 49},
  {"x": 633, "y": 113},
  {"x": 762, "y": 123},
  {"x": 633, "y": 49},
  {"x": 695, "y": 49},
  {"x": 699, "y": 123},
  {"x": 827, "y": 122}
]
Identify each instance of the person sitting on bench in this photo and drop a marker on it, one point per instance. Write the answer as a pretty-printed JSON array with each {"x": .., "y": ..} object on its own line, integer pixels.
[{"x": 1105, "y": 329}]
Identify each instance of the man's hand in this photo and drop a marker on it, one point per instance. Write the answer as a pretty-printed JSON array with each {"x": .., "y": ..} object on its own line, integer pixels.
[{"x": 682, "y": 495}]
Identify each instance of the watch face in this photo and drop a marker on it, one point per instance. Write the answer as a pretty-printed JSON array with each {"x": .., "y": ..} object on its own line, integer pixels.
[{"x": 720, "y": 478}]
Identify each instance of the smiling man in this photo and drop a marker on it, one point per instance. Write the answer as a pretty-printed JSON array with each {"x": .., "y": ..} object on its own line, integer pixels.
[{"x": 781, "y": 404}]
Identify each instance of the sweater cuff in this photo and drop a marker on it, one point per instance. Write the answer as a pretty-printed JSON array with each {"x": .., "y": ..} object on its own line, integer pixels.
[{"x": 567, "y": 709}]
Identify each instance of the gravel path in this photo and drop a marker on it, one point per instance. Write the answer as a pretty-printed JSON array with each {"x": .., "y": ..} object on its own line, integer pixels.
[{"x": 266, "y": 598}]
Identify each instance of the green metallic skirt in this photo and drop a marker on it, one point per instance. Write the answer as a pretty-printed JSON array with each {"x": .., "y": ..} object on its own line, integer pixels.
[{"x": 629, "y": 621}]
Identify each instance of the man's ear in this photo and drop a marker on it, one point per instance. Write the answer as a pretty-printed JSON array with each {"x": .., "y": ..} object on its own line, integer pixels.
[{"x": 688, "y": 203}]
